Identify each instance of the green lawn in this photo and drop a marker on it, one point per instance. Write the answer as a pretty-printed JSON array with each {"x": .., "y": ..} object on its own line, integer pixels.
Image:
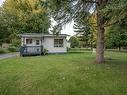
[{"x": 65, "y": 74}]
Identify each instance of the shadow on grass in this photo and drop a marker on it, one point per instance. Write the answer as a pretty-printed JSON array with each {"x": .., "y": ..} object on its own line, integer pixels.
[
  {"x": 118, "y": 63},
  {"x": 80, "y": 52}
]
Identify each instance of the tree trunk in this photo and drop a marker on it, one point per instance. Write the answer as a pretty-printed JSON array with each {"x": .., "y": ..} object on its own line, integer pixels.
[
  {"x": 119, "y": 48},
  {"x": 100, "y": 35},
  {"x": 91, "y": 42}
]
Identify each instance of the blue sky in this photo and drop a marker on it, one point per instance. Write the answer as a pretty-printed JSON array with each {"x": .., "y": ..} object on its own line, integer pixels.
[
  {"x": 1, "y": 1},
  {"x": 68, "y": 29}
]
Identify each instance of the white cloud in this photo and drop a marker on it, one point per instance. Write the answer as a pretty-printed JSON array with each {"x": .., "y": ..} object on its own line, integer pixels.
[{"x": 68, "y": 29}]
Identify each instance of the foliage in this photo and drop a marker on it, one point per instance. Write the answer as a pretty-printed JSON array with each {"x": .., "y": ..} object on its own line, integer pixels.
[
  {"x": 81, "y": 11},
  {"x": 13, "y": 49},
  {"x": 64, "y": 11},
  {"x": 69, "y": 10},
  {"x": 117, "y": 35},
  {"x": 56, "y": 29},
  {"x": 2, "y": 51},
  {"x": 86, "y": 30},
  {"x": 74, "y": 42},
  {"x": 22, "y": 16},
  {"x": 4, "y": 33},
  {"x": 83, "y": 33},
  {"x": 16, "y": 42},
  {"x": 84, "y": 38},
  {"x": 115, "y": 12},
  {"x": 68, "y": 49},
  {"x": 45, "y": 51}
]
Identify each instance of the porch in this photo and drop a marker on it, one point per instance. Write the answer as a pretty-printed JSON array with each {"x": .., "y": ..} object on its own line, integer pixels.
[{"x": 31, "y": 50}]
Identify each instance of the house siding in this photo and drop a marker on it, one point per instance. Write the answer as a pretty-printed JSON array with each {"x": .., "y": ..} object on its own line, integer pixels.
[
  {"x": 49, "y": 45},
  {"x": 47, "y": 42},
  {"x": 33, "y": 41}
]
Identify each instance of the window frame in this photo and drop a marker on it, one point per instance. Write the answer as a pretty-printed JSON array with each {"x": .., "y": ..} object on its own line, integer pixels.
[
  {"x": 29, "y": 41},
  {"x": 58, "y": 43}
]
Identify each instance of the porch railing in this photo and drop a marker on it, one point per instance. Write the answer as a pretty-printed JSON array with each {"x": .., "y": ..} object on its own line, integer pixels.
[{"x": 31, "y": 50}]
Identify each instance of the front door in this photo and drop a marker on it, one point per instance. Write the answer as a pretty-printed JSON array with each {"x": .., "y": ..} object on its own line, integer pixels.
[{"x": 37, "y": 42}]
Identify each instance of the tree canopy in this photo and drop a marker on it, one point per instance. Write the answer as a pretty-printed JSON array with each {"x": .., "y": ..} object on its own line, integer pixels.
[
  {"x": 23, "y": 16},
  {"x": 116, "y": 36}
]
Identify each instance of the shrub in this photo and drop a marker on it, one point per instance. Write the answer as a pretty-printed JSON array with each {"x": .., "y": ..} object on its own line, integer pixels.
[
  {"x": 2, "y": 51},
  {"x": 45, "y": 51},
  {"x": 13, "y": 49},
  {"x": 68, "y": 49},
  {"x": 74, "y": 42}
]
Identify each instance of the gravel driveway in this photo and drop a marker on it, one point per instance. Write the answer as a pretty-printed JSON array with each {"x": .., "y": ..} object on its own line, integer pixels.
[{"x": 9, "y": 55}]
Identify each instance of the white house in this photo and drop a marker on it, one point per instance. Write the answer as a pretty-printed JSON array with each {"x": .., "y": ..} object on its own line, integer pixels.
[{"x": 35, "y": 43}]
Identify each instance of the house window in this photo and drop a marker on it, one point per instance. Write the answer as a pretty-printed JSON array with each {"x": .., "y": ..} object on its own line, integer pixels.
[
  {"x": 37, "y": 42},
  {"x": 28, "y": 41},
  {"x": 58, "y": 42}
]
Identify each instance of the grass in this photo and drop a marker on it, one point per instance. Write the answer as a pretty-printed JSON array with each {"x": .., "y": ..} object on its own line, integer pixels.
[
  {"x": 65, "y": 74},
  {"x": 78, "y": 50}
]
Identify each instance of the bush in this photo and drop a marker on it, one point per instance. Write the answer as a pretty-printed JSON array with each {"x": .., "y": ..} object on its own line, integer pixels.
[
  {"x": 13, "y": 49},
  {"x": 74, "y": 42},
  {"x": 45, "y": 52},
  {"x": 68, "y": 49},
  {"x": 16, "y": 42},
  {"x": 2, "y": 51}
]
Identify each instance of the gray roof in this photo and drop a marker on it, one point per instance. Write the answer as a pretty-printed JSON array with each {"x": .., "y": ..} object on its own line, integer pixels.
[{"x": 42, "y": 35}]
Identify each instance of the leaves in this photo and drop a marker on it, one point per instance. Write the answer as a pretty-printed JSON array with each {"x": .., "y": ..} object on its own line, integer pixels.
[
  {"x": 23, "y": 16},
  {"x": 117, "y": 35}
]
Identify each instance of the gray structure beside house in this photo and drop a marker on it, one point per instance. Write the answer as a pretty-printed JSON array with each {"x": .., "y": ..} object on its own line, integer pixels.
[{"x": 35, "y": 43}]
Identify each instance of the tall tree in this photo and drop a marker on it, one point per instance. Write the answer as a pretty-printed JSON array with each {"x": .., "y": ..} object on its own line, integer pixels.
[
  {"x": 31, "y": 15},
  {"x": 66, "y": 10},
  {"x": 83, "y": 35},
  {"x": 87, "y": 30}
]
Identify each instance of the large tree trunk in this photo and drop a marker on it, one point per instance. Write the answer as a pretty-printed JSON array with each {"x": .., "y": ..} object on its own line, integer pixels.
[{"x": 100, "y": 34}]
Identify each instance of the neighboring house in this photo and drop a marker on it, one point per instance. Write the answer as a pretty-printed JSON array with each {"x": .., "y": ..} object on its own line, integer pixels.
[
  {"x": 36, "y": 43},
  {"x": 68, "y": 44},
  {"x": 5, "y": 45}
]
